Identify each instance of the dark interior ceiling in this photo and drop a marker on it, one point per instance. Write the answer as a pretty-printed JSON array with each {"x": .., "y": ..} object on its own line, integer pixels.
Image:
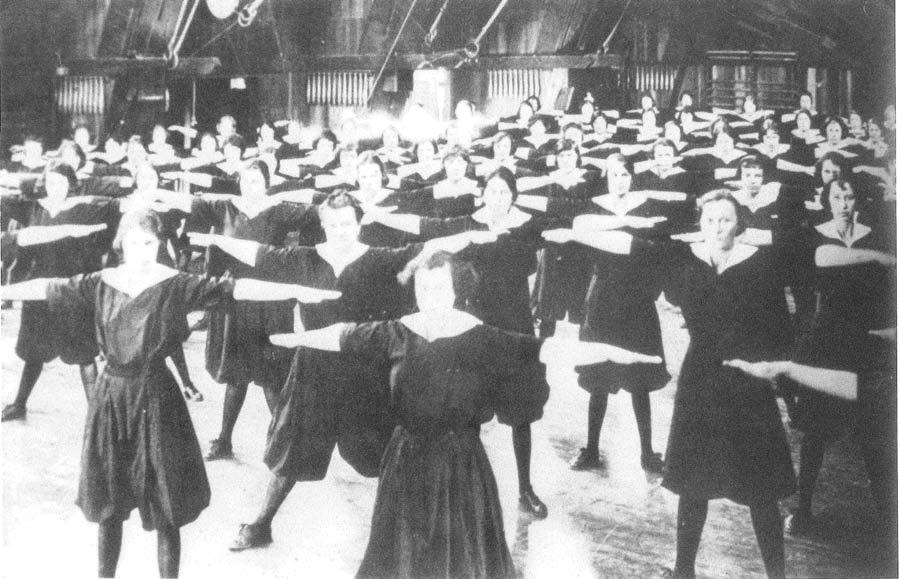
[{"x": 858, "y": 33}]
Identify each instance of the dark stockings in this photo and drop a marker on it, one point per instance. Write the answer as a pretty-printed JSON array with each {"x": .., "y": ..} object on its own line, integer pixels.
[
  {"x": 812, "y": 452},
  {"x": 168, "y": 551},
  {"x": 235, "y": 394},
  {"x": 278, "y": 490},
  {"x": 272, "y": 395},
  {"x": 640, "y": 401},
  {"x": 88, "y": 377},
  {"x": 766, "y": 525},
  {"x": 521, "y": 436},
  {"x": 109, "y": 545},
  {"x": 32, "y": 371},
  {"x": 182, "y": 368}
]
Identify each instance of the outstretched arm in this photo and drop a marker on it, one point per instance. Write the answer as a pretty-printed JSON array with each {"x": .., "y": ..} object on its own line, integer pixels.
[
  {"x": 248, "y": 289},
  {"x": 837, "y": 383},
  {"x": 31, "y": 290},
  {"x": 242, "y": 249},
  {"x": 576, "y": 353},
  {"x": 836, "y": 256},
  {"x": 37, "y": 235},
  {"x": 328, "y": 338}
]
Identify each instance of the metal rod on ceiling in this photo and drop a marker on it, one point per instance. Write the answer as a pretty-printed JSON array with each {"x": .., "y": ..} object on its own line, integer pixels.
[
  {"x": 605, "y": 46},
  {"x": 390, "y": 51},
  {"x": 433, "y": 29},
  {"x": 490, "y": 21}
]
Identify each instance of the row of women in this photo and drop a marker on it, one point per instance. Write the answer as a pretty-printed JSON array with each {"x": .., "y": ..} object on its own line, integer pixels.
[{"x": 417, "y": 321}]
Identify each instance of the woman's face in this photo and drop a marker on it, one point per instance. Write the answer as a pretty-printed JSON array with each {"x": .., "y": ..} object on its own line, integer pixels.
[
  {"x": 340, "y": 226},
  {"x": 82, "y": 137},
  {"x": 771, "y": 139},
  {"x": 253, "y": 183},
  {"x": 673, "y": 132},
  {"x": 325, "y": 147},
  {"x": 830, "y": 171},
  {"x": 664, "y": 156},
  {"x": 434, "y": 289},
  {"x": 369, "y": 177},
  {"x": 113, "y": 148},
  {"x": 687, "y": 101},
  {"x": 208, "y": 144},
  {"x": 749, "y": 105},
  {"x": 266, "y": 133},
  {"x": 139, "y": 247},
  {"x": 587, "y": 110},
  {"x": 231, "y": 153},
  {"x": 751, "y": 179},
  {"x": 159, "y": 135},
  {"x": 390, "y": 139},
  {"x": 618, "y": 179},
  {"x": 70, "y": 157},
  {"x": 648, "y": 119},
  {"x": 805, "y": 102},
  {"x": 600, "y": 125},
  {"x": 137, "y": 154},
  {"x": 855, "y": 121},
  {"x": 463, "y": 110},
  {"x": 57, "y": 187},
  {"x": 455, "y": 167},
  {"x": 293, "y": 131},
  {"x": 525, "y": 112},
  {"x": 567, "y": 161},
  {"x": 575, "y": 135},
  {"x": 890, "y": 115},
  {"x": 724, "y": 142},
  {"x": 497, "y": 197},
  {"x": 146, "y": 179},
  {"x": 646, "y": 103},
  {"x": 803, "y": 122},
  {"x": 348, "y": 159},
  {"x": 842, "y": 201},
  {"x": 874, "y": 131},
  {"x": 502, "y": 148},
  {"x": 425, "y": 152},
  {"x": 718, "y": 224},
  {"x": 833, "y": 132}
]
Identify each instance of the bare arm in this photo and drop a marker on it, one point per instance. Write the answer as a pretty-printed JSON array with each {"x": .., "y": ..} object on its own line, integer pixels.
[
  {"x": 31, "y": 290},
  {"x": 247, "y": 289},
  {"x": 836, "y": 256},
  {"x": 242, "y": 249},
  {"x": 577, "y": 353},
  {"x": 328, "y": 339},
  {"x": 837, "y": 383},
  {"x": 37, "y": 235}
]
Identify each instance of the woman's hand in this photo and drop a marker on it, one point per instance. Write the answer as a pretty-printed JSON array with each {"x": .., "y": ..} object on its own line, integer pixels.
[
  {"x": 690, "y": 237},
  {"x": 287, "y": 340},
  {"x": 309, "y": 295},
  {"x": 637, "y": 222},
  {"x": 203, "y": 239},
  {"x": 559, "y": 235},
  {"x": 761, "y": 370},
  {"x": 885, "y": 334}
]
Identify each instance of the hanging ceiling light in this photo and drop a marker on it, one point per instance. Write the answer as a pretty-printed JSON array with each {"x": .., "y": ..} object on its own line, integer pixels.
[{"x": 222, "y": 9}]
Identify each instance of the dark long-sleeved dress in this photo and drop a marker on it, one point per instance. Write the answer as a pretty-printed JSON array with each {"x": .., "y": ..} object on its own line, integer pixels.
[
  {"x": 851, "y": 301},
  {"x": 620, "y": 309},
  {"x": 726, "y": 439},
  {"x": 437, "y": 512},
  {"x": 237, "y": 342},
  {"x": 330, "y": 398},
  {"x": 140, "y": 450},
  {"x": 41, "y": 338}
]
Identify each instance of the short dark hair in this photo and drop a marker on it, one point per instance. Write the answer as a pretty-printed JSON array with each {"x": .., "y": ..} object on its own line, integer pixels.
[
  {"x": 749, "y": 162},
  {"x": 340, "y": 199},
  {"x": 144, "y": 219},
  {"x": 507, "y": 177},
  {"x": 723, "y": 195},
  {"x": 65, "y": 170},
  {"x": 259, "y": 166},
  {"x": 835, "y": 158},
  {"x": 840, "y": 123},
  {"x": 328, "y": 136},
  {"x": 463, "y": 275},
  {"x": 840, "y": 183}
]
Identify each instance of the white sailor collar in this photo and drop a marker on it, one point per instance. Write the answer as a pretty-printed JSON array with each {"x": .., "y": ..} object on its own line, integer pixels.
[
  {"x": 429, "y": 169},
  {"x": 670, "y": 172},
  {"x": 765, "y": 197},
  {"x": 118, "y": 278},
  {"x": 381, "y": 195},
  {"x": 733, "y": 156},
  {"x": 252, "y": 208},
  {"x": 513, "y": 219},
  {"x": 339, "y": 259},
  {"x": 55, "y": 210},
  {"x": 633, "y": 200},
  {"x": 739, "y": 253},
  {"x": 568, "y": 180},
  {"x": 829, "y": 229},
  {"x": 781, "y": 149},
  {"x": 453, "y": 323}
]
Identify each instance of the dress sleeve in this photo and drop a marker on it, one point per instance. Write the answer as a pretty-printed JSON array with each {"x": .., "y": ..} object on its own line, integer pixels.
[
  {"x": 283, "y": 263},
  {"x": 668, "y": 259},
  {"x": 202, "y": 292},
  {"x": 75, "y": 293},
  {"x": 434, "y": 227},
  {"x": 504, "y": 353},
  {"x": 205, "y": 214},
  {"x": 372, "y": 340}
]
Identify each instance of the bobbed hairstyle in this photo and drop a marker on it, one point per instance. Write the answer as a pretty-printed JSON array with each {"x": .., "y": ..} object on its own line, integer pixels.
[{"x": 463, "y": 275}]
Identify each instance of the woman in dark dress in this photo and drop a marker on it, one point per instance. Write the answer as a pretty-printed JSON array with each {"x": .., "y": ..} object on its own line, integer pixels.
[
  {"x": 40, "y": 341},
  {"x": 620, "y": 309},
  {"x": 437, "y": 513},
  {"x": 140, "y": 450},
  {"x": 854, "y": 289},
  {"x": 726, "y": 438},
  {"x": 238, "y": 351},
  {"x": 307, "y": 424}
]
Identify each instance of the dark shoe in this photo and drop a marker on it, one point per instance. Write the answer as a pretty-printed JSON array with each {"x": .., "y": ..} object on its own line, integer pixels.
[
  {"x": 191, "y": 393},
  {"x": 652, "y": 463},
  {"x": 252, "y": 536},
  {"x": 219, "y": 450},
  {"x": 588, "y": 460},
  {"x": 798, "y": 522},
  {"x": 531, "y": 504},
  {"x": 13, "y": 412}
]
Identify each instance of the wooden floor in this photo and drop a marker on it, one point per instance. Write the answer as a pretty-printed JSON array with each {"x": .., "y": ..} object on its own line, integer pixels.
[{"x": 617, "y": 523}]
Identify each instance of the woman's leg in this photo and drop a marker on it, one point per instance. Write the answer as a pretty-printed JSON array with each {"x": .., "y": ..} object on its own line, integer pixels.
[
  {"x": 767, "y": 526},
  {"x": 235, "y": 394},
  {"x": 812, "y": 453},
  {"x": 640, "y": 402},
  {"x": 259, "y": 532},
  {"x": 590, "y": 454},
  {"x": 109, "y": 545},
  {"x": 30, "y": 374},
  {"x": 88, "y": 377},
  {"x": 168, "y": 551},
  {"x": 272, "y": 394},
  {"x": 528, "y": 500},
  {"x": 691, "y": 519}
]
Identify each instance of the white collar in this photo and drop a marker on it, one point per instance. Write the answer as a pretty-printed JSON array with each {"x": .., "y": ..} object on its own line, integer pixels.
[
  {"x": 119, "y": 278},
  {"x": 447, "y": 190},
  {"x": 253, "y": 208},
  {"x": 453, "y": 322},
  {"x": 514, "y": 218},
  {"x": 781, "y": 149},
  {"x": 67, "y": 203},
  {"x": 735, "y": 154},
  {"x": 765, "y": 197},
  {"x": 340, "y": 259},
  {"x": 829, "y": 229},
  {"x": 632, "y": 200},
  {"x": 568, "y": 180},
  {"x": 739, "y": 252},
  {"x": 380, "y": 196},
  {"x": 673, "y": 170}
]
